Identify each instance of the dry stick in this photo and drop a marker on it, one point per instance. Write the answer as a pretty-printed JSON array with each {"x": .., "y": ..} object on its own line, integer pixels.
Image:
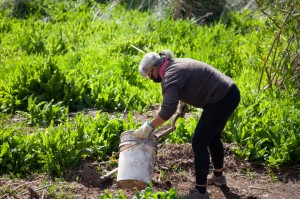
[
  {"x": 142, "y": 4},
  {"x": 27, "y": 184},
  {"x": 137, "y": 48},
  {"x": 267, "y": 58},
  {"x": 203, "y": 17},
  {"x": 272, "y": 66},
  {"x": 275, "y": 39},
  {"x": 280, "y": 61},
  {"x": 296, "y": 67},
  {"x": 4, "y": 196},
  {"x": 129, "y": 6},
  {"x": 97, "y": 163},
  {"x": 124, "y": 112},
  {"x": 267, "y": 14},
  {"x": 282, "y": 66},
  {"x": 294, "y": 60},
  {"x": 94, "y": 18},
  {"x": 253, "y": 187},
  {"x": 282, "y": 80},
  {"x": 43, "y": 195}
]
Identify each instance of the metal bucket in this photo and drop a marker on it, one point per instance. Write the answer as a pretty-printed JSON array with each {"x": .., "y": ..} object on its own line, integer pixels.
[{"x": 136, "y": 160}]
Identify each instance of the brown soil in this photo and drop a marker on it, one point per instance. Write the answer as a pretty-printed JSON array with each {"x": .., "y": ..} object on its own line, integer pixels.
[{"x": 174, "y": 168}]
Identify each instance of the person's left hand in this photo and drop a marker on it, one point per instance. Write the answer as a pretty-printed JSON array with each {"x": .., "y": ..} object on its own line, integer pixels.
[
  {"x": 181, "y": 109},
  {"x": 144, "y": 131}
]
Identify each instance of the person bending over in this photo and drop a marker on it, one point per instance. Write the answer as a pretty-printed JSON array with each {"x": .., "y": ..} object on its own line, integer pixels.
[{"x": 186, "y": 81}]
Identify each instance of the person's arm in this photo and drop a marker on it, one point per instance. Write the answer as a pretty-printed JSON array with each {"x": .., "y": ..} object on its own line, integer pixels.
[
  {"x": 147, "y": 128},
  {"x": 166, "y": 113},
  {"x": 157, "y": 121}
]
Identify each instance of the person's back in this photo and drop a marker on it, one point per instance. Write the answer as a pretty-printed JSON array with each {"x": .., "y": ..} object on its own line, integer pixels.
[{"x": 194, "y": 82}]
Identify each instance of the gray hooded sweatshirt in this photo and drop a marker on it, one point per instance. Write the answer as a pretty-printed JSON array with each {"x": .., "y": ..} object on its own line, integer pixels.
[{"x": 193, "y": 82}]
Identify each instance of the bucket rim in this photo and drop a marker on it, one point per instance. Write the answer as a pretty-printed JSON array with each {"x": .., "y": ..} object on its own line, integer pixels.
[{"x": 128, "y": 132}]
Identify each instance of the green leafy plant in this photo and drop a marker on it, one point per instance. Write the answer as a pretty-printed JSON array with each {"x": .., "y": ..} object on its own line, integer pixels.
[{"x": 44, "y": 113}]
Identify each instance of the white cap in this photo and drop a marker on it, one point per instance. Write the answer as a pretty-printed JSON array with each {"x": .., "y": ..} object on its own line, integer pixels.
[{"x": 147, "y": 62}]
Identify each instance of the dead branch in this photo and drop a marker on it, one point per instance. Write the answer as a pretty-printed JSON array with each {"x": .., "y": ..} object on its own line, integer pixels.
[
  {"x": 253, "y": 187},
  {"x": 273, "y": 44}
]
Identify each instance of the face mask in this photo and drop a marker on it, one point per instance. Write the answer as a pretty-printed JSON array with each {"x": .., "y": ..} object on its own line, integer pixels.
[{"x": 156, "y": 80}]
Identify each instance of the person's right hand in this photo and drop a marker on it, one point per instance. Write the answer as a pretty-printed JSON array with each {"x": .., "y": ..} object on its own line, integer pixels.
[{"x": 144, "y": 131}]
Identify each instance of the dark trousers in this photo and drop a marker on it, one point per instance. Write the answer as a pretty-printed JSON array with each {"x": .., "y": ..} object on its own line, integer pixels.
[{"x": 208, "y": 134}]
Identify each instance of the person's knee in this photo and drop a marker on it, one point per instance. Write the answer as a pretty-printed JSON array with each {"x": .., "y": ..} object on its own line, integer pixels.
[{"x": 198, "y": 145}]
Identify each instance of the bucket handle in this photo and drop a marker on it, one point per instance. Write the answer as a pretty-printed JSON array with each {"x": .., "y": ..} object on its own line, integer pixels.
[
  {"x": 129, "y": 146},
  {"x": 124, "y": 149}
]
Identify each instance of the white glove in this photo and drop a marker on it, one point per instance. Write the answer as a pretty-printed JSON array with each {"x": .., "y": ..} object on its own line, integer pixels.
[
  {"x": 180, "y": 108},
  {"x": 144, "y": 131}
]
